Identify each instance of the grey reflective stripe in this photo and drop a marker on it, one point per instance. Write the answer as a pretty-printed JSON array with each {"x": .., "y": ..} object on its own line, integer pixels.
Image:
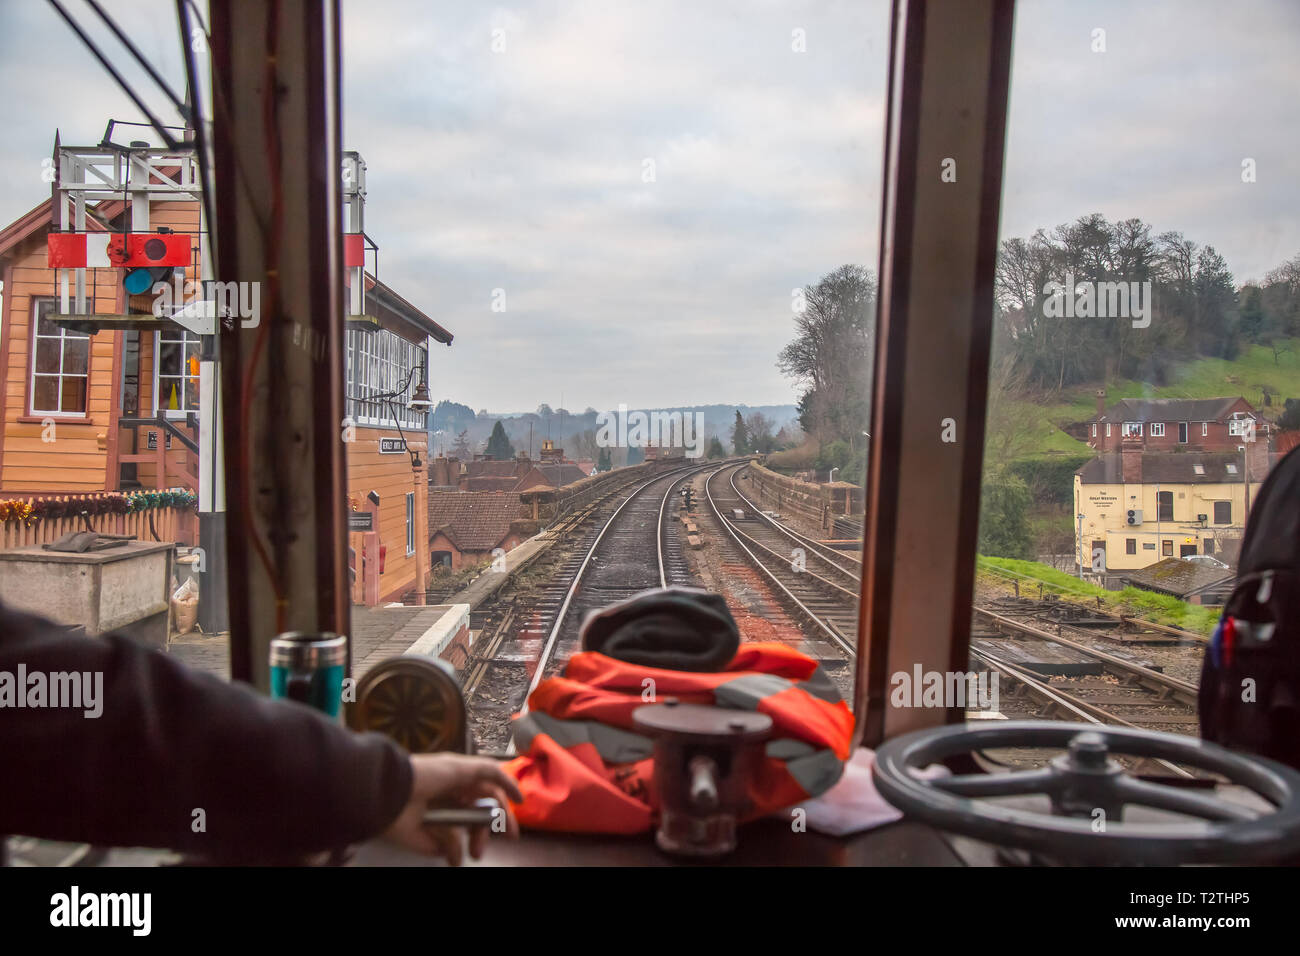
[
  {"x": 524, "y": 730},
  {"x": 819, "y": 685},
  {"x": 745, "y": 692},
  {"x": 616, "y": 745},
  {"x": 787, "y": 748},
  {"x": 612, "y": 743},
  {"x": 817, "y": 772},
  {"x": 566, "y": 733}
]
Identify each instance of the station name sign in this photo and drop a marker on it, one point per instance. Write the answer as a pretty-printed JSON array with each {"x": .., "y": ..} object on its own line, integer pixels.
[{"x": 392, "y": 446}]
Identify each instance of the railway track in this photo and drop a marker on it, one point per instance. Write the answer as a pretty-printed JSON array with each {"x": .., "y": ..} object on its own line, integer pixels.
[
  {"x": 626, "y": 543},
  {"x": 817, "y": 583},
  {"x": 617, "y": 548},
  {"x": 1127, "y": 693}
]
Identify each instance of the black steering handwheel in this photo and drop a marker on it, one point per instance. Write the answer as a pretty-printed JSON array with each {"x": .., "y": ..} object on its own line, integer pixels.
[{"x": 1087, "y": 787}]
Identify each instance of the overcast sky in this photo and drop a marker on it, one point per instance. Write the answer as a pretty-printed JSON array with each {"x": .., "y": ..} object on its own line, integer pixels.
[{"x": 523, "y": 169}]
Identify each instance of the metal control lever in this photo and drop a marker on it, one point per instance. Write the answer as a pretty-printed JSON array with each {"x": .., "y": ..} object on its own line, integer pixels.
[
  {"x": 483, "y": 814},
  {"x": 704, "y": 783},
  {"x": 705, "y": 760}
]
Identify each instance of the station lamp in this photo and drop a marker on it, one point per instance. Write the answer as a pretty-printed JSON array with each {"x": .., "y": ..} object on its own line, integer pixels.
[{"x": 420, "y": 401}]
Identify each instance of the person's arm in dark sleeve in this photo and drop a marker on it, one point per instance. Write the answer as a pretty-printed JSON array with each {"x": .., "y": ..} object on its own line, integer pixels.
[{"x": 272, "y": 778}]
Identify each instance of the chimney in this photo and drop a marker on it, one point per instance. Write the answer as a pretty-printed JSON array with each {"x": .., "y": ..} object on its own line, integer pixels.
[
  {"x": 1101, "y": 403},
  {"x": 1257, "y": 457},
  {"x": 1130, "y": 460},
  {"x": 440, "y": 472}
]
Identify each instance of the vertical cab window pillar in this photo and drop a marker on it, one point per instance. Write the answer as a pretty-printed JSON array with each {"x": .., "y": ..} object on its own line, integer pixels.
[{"x": 945, "y": 132}]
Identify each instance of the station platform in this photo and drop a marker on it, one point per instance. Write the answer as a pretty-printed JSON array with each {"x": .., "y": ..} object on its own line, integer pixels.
[{"x": 377, "y": 633}]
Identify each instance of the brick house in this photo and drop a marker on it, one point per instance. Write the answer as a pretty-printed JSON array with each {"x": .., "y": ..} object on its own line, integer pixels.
[
  {"x": 1173, "y": 424},
  {"x": 465, "y": 527}
]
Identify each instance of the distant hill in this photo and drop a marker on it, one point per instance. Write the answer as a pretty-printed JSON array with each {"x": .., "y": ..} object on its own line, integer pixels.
[
  {"x": 566, "y": 429},
  {"x": 1248, "y": 375}
]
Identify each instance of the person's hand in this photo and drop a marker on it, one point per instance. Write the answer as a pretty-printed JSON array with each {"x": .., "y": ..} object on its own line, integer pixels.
[{"x": 452, "y": 780}]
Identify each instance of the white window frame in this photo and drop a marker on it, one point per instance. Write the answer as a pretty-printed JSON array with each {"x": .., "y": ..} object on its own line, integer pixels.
[
  {"x": 1108, "y": 429},
  {"x": 1237, "y": 426},
  {"x": 183, "y": 337},
  {"x": 376, "y": 362},
  {"x": 62, "y": 338},
  {"x": 1131, "y": 430},
  {"x": 1205, "y": 429},
  {"x": 1094, "y": 429},
  {"x": 1157, "y": 429},
  {"x": 1184, "y": 433},
  {"x": 410, "y": 523}
]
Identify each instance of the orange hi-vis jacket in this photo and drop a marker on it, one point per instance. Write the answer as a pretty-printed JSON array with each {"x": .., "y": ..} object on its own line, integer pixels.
[{"x": 583, "y": 768}]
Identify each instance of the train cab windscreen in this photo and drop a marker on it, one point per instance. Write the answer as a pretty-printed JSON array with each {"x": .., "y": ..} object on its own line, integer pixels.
[{"x": 568, "y": 434}]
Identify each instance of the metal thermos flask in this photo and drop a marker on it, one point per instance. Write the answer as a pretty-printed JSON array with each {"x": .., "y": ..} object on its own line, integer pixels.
[{"x": 308, "y": 667}]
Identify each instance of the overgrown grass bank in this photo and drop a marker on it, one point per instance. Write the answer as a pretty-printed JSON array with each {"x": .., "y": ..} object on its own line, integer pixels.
[{"x": 1147, "y": 605}]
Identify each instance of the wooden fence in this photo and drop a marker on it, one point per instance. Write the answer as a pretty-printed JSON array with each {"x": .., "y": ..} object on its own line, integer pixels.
[{"x": 155, "y": 524}]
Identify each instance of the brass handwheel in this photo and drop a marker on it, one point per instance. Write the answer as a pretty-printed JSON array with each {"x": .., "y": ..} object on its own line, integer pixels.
[{"x": 416, "y": 701}]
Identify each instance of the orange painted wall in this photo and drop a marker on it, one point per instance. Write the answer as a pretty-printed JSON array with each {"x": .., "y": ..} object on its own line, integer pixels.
[
  {"x": 391, "y": 477},
  {"x": 30, "y": 464}
]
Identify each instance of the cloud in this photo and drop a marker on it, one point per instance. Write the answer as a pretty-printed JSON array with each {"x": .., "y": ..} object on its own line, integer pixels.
[{"x": 523, "y": 169}]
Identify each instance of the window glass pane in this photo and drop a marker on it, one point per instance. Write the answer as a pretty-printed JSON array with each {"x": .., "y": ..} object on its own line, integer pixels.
[
  {"x": 169, "y": 357},
  {"x": 44, "y": 308},
  {"x": 45, "y": 393},
  {"x": 700, "y": 241},
  {"x": 74, "y": 393},
  {"x": 76, "y": 356},
  {"x": 1135, "y": 288},
  {"x": 47, "y": 355}
]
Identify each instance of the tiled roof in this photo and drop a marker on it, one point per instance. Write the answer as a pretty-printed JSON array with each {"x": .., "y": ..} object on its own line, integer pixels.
[
  {"x": 474, "y": 521},
  {"x": 1170, "y": 410},
  {"x": 1178, "y": 577},
  {"x": 1169, "y": 467},
  {"x": 490, "y": 469},
  {"x": 559, "y": 475},
  {"x": 491, "y": 483}
]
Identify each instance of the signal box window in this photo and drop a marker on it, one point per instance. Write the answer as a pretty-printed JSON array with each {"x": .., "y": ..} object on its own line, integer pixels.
[
  {"x": 60, "y": 365},
  {"x": 178, "y": 373}
]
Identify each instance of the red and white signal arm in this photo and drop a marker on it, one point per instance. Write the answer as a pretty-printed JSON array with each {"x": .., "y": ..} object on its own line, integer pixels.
[
  {"x": 107, "y": 250},
  {"x": 354, "y": 250}
]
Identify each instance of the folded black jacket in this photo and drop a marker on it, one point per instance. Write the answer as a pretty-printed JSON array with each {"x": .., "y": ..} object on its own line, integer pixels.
[{"x": 274, "y": 779}]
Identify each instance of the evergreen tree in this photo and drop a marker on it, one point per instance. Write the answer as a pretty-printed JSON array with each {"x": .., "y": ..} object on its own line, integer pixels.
[
  {"x": 498, "y": 445},
  {"x": 603, "y": 461},
  {"x": 740, "y": 436},
  {"x": 715, "y": 449}
]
